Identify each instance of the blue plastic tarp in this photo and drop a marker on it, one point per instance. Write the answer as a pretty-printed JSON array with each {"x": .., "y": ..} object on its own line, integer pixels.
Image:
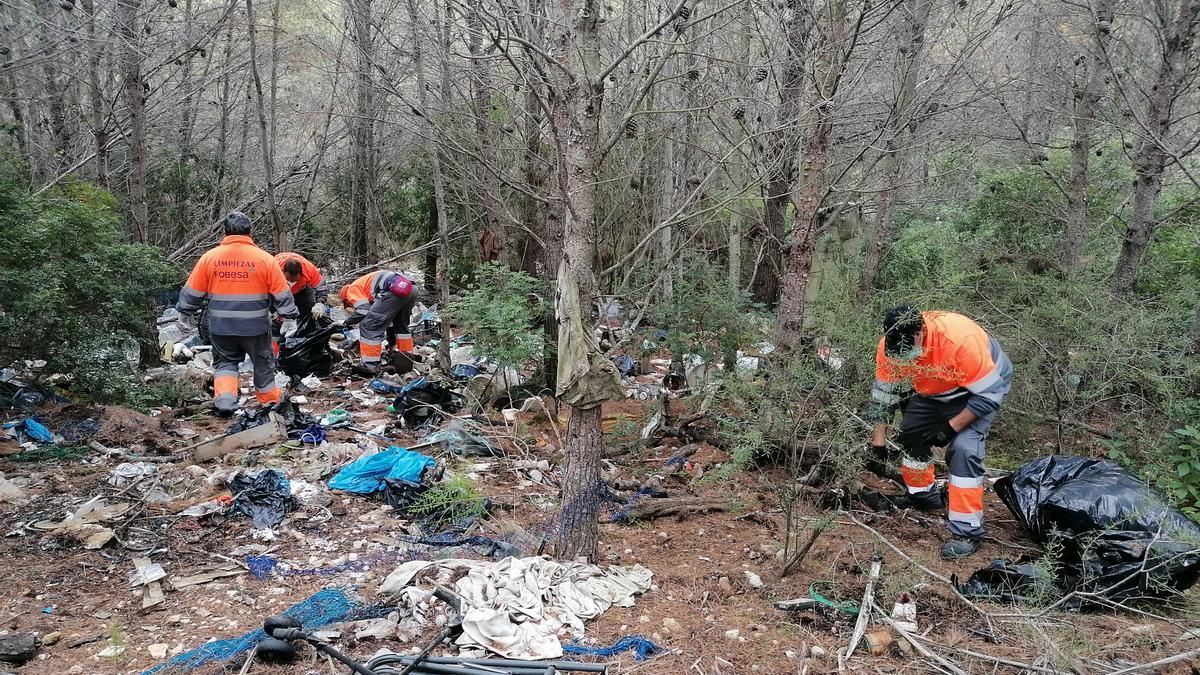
[{"x": 369, "y": 473}]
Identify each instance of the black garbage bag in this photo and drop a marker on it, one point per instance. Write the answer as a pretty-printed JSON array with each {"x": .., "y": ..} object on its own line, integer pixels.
[
  {"x": 264, "y": 497},
  {"x": 626, "y": 365},
  {"x": 1002, "y": 581},
  {"x": 294, "y": 419},
  {"x": 423, "y": 402},
  {"x": 307, "y": 352},
  {"x": 1113, "y": 535}
]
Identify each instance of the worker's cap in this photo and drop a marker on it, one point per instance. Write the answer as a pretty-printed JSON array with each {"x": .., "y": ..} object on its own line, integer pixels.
[
  {"x": 900, "y": 327},
  {"x": 236, "y": 222},
  {"x": 400, "y": 286}
]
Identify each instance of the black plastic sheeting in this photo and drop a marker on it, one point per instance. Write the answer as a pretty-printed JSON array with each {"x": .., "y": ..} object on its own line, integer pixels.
[
  {"x": 294, "y": 419},
  {"x": 1110, "y": 534},
  {"x": 307, "y": 352},
  {"x": 425, "y": 404},
  {"x": 264, "y": 497}
]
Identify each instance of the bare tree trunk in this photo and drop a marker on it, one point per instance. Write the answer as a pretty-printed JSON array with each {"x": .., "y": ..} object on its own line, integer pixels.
[
  {"x": 1083, "y": 125},
  {"x": 781, "y": 155},
  {"x": 1151, "y": 156},
  {"x": 575, "y": 109},
  {"x": 362, "y": 135},
  {"x": 276, "y": 16},
  {"x": 55, "y": 83},
  {"x": 96, "y": 94},
  {"x": 184, "y": 191},
  {"x": 813, "y": 188},
  {"x": 533, "y": 172},
  {"x": 135, "y": 101},
  {"x": 18, "y": 130},
  {"x": 264, "y": 133},
  {"x": 219, "y": 191},
  {"x": 493, "y": 240},
  {"x": 737, "y": 168},
  {"x": 668, "y": 177},
  {"x": 900, "y": 123}
]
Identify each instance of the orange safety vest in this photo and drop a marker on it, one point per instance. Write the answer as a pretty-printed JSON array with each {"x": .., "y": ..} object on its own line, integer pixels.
[
  {"x": 364, "y": 289},
  {"x": 310, "y": 276},
  {"x": 955, "y": 356},
  {"x": 242, "y": 283}
]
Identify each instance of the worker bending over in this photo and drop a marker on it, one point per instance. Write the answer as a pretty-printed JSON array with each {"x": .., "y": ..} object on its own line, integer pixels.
[
  {"x": 242, "y": 284},
  {"x": 308, "y": 286},
  {"x": 382, "y": 301},
  {"x": 958, "y": 376}
]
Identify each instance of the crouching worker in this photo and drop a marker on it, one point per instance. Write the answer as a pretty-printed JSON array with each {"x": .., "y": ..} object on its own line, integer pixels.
[
  {"x": 309, "y": 289},
  {"x": 958, "y": 375},
  {"x": 382, "y": 302},
  {"x": 242, "y": 284}
]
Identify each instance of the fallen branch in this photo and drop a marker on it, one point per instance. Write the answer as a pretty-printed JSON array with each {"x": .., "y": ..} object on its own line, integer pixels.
[
  {"x": 986, "y": 617},
  {"x": 1153, "y": 665},
  {"x": 649, "y": 509},
  {"x": 864, "y": 611},
  {"x": 122, "y": 454},
  {"x": 1039, "y": 417}
]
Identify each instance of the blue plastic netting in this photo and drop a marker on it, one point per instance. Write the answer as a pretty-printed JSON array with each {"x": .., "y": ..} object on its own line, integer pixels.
[
  {"x": 320, "y": 609},
  {"x": 642, "y": 648}
]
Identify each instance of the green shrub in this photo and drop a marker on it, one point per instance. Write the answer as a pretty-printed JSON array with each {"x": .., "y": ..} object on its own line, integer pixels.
[
  {"x": 450, "y": 501},
  {"x": 72, "y": 292},
  {"x": 501, "y": 312}
]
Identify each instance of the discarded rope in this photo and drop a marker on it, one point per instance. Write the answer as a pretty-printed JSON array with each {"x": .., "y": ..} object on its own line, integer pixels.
[
  {"x": 844, "y": 606},
  {"x": 641, "y": 647}
]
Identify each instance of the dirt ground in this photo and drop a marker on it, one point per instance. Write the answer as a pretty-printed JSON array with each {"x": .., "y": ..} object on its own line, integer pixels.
[{"x": 704, "y": 609}]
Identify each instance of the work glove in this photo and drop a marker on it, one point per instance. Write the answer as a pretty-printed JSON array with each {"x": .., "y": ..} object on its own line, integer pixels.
[
  {"x": 354, "y": 319},
  {"x": 318, "y": 310},
  {"x": 289, "y": 328},
  {"x": 878, "y": 457},
  {"x": 942, "y": 434}
]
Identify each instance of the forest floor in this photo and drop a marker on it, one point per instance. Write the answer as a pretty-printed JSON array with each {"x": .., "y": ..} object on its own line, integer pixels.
[{"x": 704, "y": 610}]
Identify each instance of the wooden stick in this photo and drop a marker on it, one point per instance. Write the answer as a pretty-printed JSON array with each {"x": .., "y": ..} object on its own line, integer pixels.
[
  {"x": 1155, "y": 664},
  {"x": 864, "y": 608},
  {"x": 986, "y": 617}
]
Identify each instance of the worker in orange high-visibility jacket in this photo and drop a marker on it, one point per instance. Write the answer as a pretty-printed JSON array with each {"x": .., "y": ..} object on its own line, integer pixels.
[
  {"x": 308, "y": 286},
  {"x": 382, "y": 303},
  {"x": 242, "y": 284},
  {"x": 948, "y": 376}
]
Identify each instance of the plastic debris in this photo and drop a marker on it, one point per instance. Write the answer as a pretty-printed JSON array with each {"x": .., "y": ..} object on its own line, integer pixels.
[
  {"x": 335, "y": 416},
  {"x": 458, "y": 441},
  {"x": 1114, "y": 535},
  {"x": 371, "y": 473},
  {"x": 422, "y": 403},
  {"x": 641, "y": 647},
  {"x": 307, "y": 353},
  {"x": 130, "y": 472},
  {"x": 219, "y": 505},
  {"x": 264, "y": 497}
]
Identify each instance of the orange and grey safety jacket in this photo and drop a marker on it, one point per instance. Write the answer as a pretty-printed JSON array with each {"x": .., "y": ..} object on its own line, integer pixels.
[
  {"x": 360, "y": 293},
  {"x": 310, "y": 276},
  {"x": 242, "y": 283},
  {"x": 958, "y": 358}
]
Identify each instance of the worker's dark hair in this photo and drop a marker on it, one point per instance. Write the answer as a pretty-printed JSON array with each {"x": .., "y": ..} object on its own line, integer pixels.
[
  {"x": 291, "y": 267},
  {"x": 900, "y": 326},
  {"x": 236, "y": 222}
]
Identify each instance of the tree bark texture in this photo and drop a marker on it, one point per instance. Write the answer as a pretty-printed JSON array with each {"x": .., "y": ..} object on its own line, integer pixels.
[
  {"x": 96, "y": 98},
  {"x": 135, "y": 102},
  {"x": 901, "y": 122},
  {"x": 264, "y": 133},
  {"x": 1151, "y": 156},
  {"x": 493, "y": 240},
  {"x": 362, "y": 134}
]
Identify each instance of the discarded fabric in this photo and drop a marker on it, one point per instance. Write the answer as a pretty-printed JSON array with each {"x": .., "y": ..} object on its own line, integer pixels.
[
  {"x": 640, "y": 646},
  {"x": 626, "y": 365},
  {"x": 320, "y": 609},
  {"x": 1117, "y": 536},
  {"x": 264, "y": 497},
  {"x": 516, "y": 607},
  {"x": 422, "y": 403},
  {"x": 458, "y": 441},
  {"x": 370, "y": 473}
]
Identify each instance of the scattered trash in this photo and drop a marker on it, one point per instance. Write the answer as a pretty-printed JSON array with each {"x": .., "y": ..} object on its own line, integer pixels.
[
  {"x": 627, "y": 366},
  {"x": 321, "y": 609},
  {"x": 371, "y": 473},
  {"x": 275, "y": 431},
  {"x": 1114, "y": 535},
  {"x": 465, "y": 371},
  {"x": 221, "y": 504},
  {"x": 83, "y": 525},
  {"x": 264, "y": 497},
  {"x": 31, "y": 429},
  {"x": 10, "y": 493},
  {"x": 1002, "y": 581},
  {"x": 641, "y": 647},
  {"x": 458, "y": 441},
  {"x": 878, "y": 642},
  {"x": 127, "y": 473},
  {"x": 335, "y": 417},
  {"x": 904, "y": 613},
  {"x": 422, "y": 403},
  {"x": 307, "y": 353},
  {"x": 501, "y": 595}
]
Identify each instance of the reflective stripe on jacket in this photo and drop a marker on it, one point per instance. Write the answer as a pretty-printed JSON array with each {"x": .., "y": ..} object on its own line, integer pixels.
[
  {"x": 242, "y": 283},
  {"x": 310, "y": 276},
  {"x": 363, "y": 291},
  {"x": 958, "y": 358}
]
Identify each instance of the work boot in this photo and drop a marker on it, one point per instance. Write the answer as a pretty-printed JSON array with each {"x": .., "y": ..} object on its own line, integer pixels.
[
  {"x": 927, "y": 501},
  {"x": 960, "y": 547},
  {"x": 366, "y": 369}
]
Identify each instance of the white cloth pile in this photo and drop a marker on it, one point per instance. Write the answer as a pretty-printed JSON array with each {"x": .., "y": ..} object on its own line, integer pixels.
[{"x": 518, "y": 607}]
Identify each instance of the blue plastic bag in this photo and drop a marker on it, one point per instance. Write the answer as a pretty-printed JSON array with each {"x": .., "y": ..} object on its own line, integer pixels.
[
  {"x": 35, "y": 430},
  {"x": 370, "y": 473}
]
